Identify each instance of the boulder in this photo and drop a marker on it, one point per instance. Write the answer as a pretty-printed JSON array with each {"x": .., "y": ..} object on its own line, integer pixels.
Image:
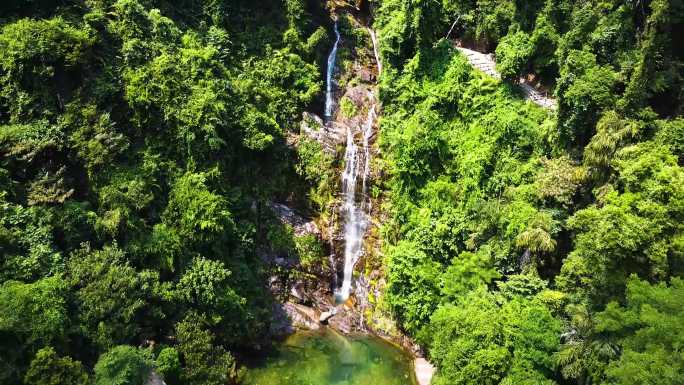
[
  {"x": 326, "y": 315},
  {"x": 301, "y": 225},
  {"x": 327, "y": 135},
  {"x": 424, "y": 371}
]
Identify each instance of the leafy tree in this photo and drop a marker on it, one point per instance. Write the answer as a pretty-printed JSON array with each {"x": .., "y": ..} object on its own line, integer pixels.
[
  {"x": 50, "y": 369},
  {"x": 482, "y": 187},
  {"x": 315, "y": 165},
  {"x": 146, "y": 151},
  {"x": 205, "y": 363},
  {"x": 34, "y": 312},
  {"x": 114, "y": 300},
  {"x": 509, "y": 343},
  {"x": 31, "y": 250},
  {"x": 205, "y": 286},
  {"x": 585, "y": 89},
  {"x": 31, "y": 315},
  {"x": 648, "y": 330},
  {"x": 195, "y": 211},
  {"x": 612, "y": 133},
  {"x": 585, "y": 353},
  {"x": 36, "y": 53},
  {"x": 513, "y": 54},
  {"x": 467, "y": 272},
  {"x": 412, "y": 287},
  {"x": 123, "y": 365},
  {"x": 632, "y": 231},
  {"x": 168, "y": 365},
  {"x": 560, "y": 180}
]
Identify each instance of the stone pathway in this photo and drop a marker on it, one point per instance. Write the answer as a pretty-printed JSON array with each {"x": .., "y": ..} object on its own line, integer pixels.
[
  {"x": 485, "y": 63},
  {"x": 482, "y": 61}
]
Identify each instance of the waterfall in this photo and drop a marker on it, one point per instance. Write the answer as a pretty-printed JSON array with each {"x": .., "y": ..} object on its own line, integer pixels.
[
  {"x": 329, "y": 76},
  {"x": 355, "y": 214},
  {"x": 374, "y": 39},
  {"x": 355, "y": 205}
]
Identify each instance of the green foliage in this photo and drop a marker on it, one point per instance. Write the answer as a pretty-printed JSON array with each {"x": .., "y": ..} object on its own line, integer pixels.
[
  {"x": 30, "y": 250},
  {"x": 467, "y": 272},
  {"x": 316, "y": 166},
  {"x": 310, "y": 251},
  {"x": 510, "y": 343},
  {"x": 123, "y": 365},
  {"x": 95, "y": 136},
  {"x": 196, "y": 212},
  {"x": 168, "y": 365},
  {"x": 654, "y": 80},
  {"x": 111, "y": 296},
  {"x": 205, "y": 363},
  {"x": 631, "y": 231},
  {"x": 35, "y": 54},
  {"x": 348, "y": 107},
  {"x": 206, "y": 286},
  {"x": 32, "y": 315},
  {"x": 512, "y": 55},
  {"x": 34, "y": 312},
  {"x": 671, "y": 134},
  {"x": 585, "y": 89},
  {"x": 560, "y": 179},
  {"x": 47, "y": 368},
  {"x": 131, "y": 132},
  {"x": 412, "y": 292},
  {"x": 511, "y": 228},
  {"x": 648, "y": 330},
  {"x": 150, "y": 129}
]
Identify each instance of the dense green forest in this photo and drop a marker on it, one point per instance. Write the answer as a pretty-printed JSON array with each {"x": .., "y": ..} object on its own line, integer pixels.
[
  {"x": 530, "y": 246},
  {"x": 139, "y": 143},
  {"x": 142, "y": 141}
]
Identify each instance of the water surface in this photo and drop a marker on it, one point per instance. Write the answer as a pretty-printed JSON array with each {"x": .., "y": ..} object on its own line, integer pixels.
[{"x": 328, "y": 358}]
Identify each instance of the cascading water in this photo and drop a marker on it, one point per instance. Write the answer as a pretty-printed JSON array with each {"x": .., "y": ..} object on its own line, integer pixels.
[
  {"x": 374, "y": 39},
  {"x": 329, "y": 76},
  {"x": 354, "y": 217},
  {"x": 355, "y": 209}
]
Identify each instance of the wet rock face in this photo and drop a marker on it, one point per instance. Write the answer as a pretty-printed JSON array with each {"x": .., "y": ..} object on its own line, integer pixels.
[
  {"x": 301, "y": 225},
  {"x": 366, "y": 75},
  {"x": 328, "y": 136}
]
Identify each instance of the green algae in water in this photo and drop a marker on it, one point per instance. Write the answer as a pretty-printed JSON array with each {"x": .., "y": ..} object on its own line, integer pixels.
[{"x": 328, "y": 358}]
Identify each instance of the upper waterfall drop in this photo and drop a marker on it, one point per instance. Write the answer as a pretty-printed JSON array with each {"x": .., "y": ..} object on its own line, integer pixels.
[
  {"x": 329, "y": 96},
  {"x": 374, "y": 39}
]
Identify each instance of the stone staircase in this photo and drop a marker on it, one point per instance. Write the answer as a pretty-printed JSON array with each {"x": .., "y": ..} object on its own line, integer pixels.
[{"x": 487, "y": 64}]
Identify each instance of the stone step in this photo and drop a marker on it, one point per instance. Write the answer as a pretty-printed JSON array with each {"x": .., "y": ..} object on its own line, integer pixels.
[{"x": 486, "y": 64}]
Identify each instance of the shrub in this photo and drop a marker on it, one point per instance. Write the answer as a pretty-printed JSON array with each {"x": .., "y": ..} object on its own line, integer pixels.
[{"x": 513, "y": 54}]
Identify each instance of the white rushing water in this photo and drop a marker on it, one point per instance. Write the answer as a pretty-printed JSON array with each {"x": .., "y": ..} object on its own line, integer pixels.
[
  {"x": 374, "y": 39},
  {"x": 329, "y": 103},
  {"x": 356, "y": 207}
]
